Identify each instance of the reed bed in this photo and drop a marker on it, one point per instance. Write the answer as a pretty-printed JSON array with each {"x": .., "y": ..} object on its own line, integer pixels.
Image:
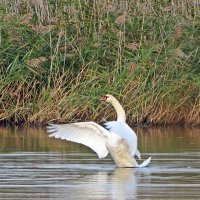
[{"x": 58, "y": 57}]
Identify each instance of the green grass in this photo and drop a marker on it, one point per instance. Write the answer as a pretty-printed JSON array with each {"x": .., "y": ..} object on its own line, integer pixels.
[{"x": 57, "y": 59}]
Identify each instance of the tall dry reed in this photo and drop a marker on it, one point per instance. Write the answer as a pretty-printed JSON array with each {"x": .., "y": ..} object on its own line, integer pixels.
[{"x": 58, "y": 58}]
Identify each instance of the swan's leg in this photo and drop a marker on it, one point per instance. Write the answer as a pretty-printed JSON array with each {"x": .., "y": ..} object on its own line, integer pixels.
[{"x": 138, "y": 154}]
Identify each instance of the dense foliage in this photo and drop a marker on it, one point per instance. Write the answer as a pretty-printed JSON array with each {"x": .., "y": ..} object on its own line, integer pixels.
[{"x": 58, "y": 57}]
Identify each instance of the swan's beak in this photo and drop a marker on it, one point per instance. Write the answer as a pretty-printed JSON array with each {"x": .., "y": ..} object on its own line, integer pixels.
[{"x": 103, "y": 98}]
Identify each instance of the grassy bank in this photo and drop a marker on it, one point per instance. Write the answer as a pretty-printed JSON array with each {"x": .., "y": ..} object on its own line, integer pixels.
[{"x": 58, "y": 57}]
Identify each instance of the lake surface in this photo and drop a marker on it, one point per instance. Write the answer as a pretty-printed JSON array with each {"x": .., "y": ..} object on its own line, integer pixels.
[{"x": 33, "y": 166}]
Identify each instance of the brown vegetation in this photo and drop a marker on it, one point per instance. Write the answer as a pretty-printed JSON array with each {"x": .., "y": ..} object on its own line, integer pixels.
[{"x": 58, "y": 58}]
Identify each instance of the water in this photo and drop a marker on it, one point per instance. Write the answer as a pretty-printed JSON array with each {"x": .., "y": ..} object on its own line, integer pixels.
[{"x": 33, "y": 166}]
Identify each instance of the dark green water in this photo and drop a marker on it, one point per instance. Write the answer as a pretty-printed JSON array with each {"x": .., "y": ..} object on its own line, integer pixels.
[{"x": 33, "y": 166}]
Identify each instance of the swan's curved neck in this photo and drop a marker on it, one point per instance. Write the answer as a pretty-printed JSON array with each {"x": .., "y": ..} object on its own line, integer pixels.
[{"x": 121, "y": 116}]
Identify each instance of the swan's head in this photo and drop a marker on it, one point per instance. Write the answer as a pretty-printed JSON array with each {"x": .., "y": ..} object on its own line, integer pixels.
[
  {"x": 108, "y": 98},
  {"x": 121, "y": 116}
]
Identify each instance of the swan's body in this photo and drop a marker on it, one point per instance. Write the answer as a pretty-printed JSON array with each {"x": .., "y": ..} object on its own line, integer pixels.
[{"x": 119, "y": 140}]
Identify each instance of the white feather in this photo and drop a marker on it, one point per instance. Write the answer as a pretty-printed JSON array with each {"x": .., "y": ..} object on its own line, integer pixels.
[
  {"x": 122, "y": 129},
  {"x": 86, "y": 133}
]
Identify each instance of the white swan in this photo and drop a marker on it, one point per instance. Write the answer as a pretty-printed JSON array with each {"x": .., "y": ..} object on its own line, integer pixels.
[{"x": 119, "y": 140}]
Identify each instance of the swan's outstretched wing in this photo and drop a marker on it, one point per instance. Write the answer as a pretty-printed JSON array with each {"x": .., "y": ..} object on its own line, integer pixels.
[{"x": 86, "y": 133}]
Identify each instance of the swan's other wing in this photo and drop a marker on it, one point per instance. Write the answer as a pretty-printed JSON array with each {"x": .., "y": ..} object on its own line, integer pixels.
[
  {"x": 87, "y": 133},
  {"x": 122, "y": 129}
]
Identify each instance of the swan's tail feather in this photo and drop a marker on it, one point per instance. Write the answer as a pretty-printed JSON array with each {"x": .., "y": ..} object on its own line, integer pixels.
[{"x": 145, "y": 163}]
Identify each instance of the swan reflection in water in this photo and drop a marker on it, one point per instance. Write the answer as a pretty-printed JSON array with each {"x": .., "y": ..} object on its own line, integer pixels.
[
  {"x": 125, "y": 184},
  {"x": 120, "y": 183}
]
